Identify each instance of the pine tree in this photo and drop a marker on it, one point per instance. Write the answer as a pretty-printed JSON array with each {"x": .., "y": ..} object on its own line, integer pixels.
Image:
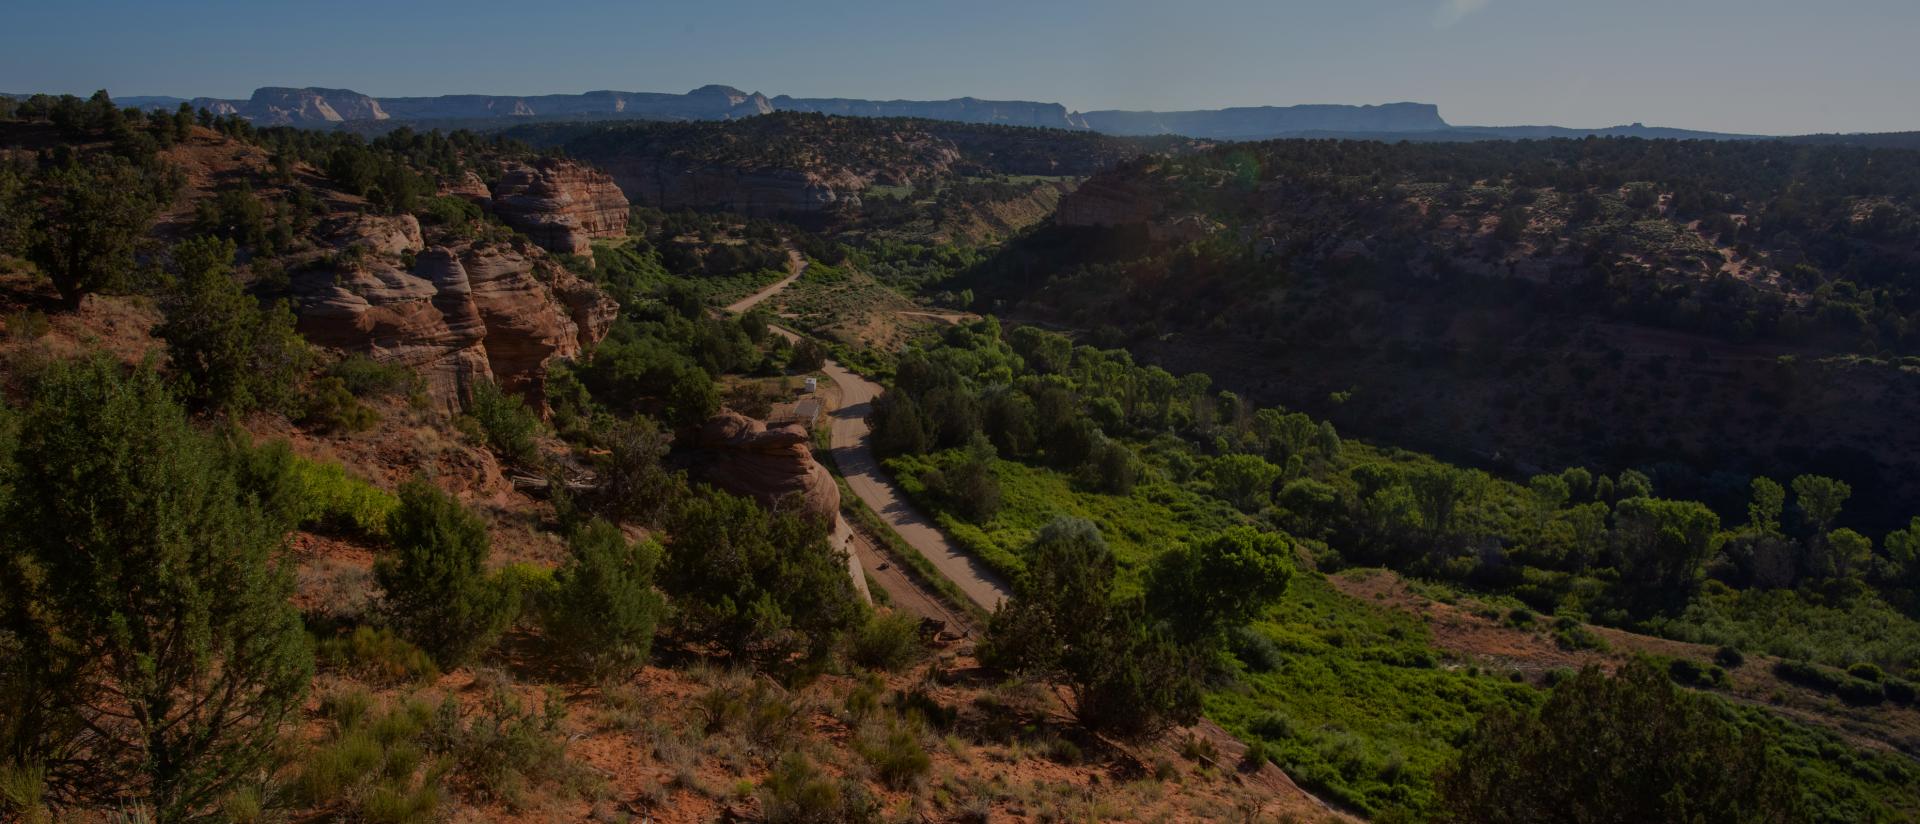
[
  {"x": 91, "y": 219},
  {"x": 230, "y": 354}
]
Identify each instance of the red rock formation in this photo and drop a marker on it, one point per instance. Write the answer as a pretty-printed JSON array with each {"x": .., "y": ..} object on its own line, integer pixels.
[
  {"x": 773, "y": 465},
  {"x": 464, "y": 312},
  {"x": 560, "y": 205}
]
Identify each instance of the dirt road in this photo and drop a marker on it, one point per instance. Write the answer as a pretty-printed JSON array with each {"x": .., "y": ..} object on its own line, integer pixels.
[{"x": 796, "y": 266}]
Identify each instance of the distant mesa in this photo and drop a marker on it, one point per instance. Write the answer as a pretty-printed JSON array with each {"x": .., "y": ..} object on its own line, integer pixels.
[
  {"x": 1257, "y": 122},
  {"x": 328, "y": 108}
]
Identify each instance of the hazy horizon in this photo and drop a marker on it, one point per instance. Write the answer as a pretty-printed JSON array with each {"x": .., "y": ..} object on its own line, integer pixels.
[{"x": 1721, "y": 65}]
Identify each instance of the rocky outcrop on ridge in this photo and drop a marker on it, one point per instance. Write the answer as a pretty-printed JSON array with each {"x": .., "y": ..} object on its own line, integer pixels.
[
  {"x": 561, "y": 205},
  {"x": 460, "y": 313},
  {"x": 470, "y": 187}
]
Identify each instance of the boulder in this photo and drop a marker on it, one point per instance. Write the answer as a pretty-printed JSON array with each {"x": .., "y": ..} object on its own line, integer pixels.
[
  {"x": 561, "y": 205},
  {"x": 770, "y": 464}
]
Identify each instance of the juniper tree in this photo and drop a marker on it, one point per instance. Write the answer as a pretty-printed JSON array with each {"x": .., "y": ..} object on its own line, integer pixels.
[
  {"x": 155, "y": 652},
  {"x": 438, "y": 593},
  {"x": 603, "y": 609}
]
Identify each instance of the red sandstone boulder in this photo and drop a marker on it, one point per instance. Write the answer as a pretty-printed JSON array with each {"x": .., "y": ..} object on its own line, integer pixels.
[{"x": 771, "y": 464}]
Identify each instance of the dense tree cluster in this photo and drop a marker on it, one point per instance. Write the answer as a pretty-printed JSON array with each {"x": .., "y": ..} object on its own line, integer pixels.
[
  {"x": 1627, "y": 748},
  {"x": 1133, "y": 666},
  {"x": 228, "y": 352},
  {"x": 763, "y": 588},
  {"x": 1605, "y": 546}
]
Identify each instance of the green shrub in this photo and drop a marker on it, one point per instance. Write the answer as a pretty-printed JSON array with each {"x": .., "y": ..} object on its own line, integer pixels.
[
  {"x": 1272, "y": 726},
  {"x": 27, "y": 324},
  {"x": 889, "y": 642},
  {"x": 918, "y": 705},
  {"x": 1573, "y": 635},
  {"x": 1254, "y": 649},
  {"x": 504, "y": 748},
  {"x": 1259, "y": 753},
  {"x": 243, "y": 806},
  {"x": 1686, "y": 671},
  {"x": 451, "y": 211},
  {"x": 388, "y": 804},
  {"x": 380, "y": 656},
  {"x": 330, "y": 500},
  {"x": 797, "y": 792},
  {"x": 1809, "y": 675},
  {"x": 332, "y": 407},
  {"x": 1063, "y": 751},
  {"x": 372, "y": 761},
  {"x": 505, "y": 423},
  {"x": 366, "y": 377},
  {"x": 1729, "y": 657},
  {"x": 602, "y": 609},
  {"x": 23, "y": 793},
  {"x": 1861, "y": 692},
  {"x": 1899, "y": 690},
  {"x": 1197, "y": 749},
  {"x": 329, "y": 773},
  {"x": 1849, "y": 688},
  {"x": 896, "y": 755},
  {"x": 1866, "y": 672},
  {"x": 346, "y": 708},
  {"x": 437, "y": 590}
]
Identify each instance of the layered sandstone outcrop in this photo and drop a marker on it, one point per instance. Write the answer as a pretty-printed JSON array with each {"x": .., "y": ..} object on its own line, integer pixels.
[
  {"x": 461, "y": 313},
  {"x": 560, "y": 205},
  {"x": 770, "y": 464}
]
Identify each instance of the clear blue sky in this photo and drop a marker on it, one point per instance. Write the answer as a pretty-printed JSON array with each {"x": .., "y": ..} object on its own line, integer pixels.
[{"x": 1771, "y": 66}]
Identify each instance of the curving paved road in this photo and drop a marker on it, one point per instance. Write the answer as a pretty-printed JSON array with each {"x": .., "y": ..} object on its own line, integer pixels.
[{"x": 853, "y": 451}]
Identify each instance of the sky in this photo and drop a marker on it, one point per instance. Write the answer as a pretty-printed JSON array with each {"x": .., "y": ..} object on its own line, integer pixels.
[{"x": 1753, "y": 66}]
